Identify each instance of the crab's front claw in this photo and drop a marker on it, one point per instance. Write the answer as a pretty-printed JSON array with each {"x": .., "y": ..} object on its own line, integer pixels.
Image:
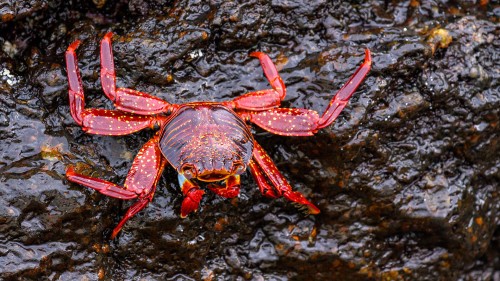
[
  {"x": 191, "y": 201},
  {"x": 226, "y": 192},
  {"x": 301, "y": 201},
  {"x": 230, "y": 189}
]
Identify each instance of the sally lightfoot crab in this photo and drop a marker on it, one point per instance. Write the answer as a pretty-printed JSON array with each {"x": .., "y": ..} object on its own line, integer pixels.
[{"x": 204, "y": 141}]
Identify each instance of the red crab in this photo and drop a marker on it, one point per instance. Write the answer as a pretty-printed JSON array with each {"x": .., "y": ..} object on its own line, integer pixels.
[{"x": 204, "y": 141}]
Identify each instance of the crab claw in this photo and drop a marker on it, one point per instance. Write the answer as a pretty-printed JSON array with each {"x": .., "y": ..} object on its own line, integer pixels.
[
  {"x": 191, "y": 201},
  {"x": 301, "y": 202},
  {"x": 230, "y": 192},
  {"x": 230, "y": 189}
]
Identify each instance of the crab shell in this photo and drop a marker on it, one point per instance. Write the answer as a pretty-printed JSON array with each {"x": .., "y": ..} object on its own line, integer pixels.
[{"x": 206, "y": 141}]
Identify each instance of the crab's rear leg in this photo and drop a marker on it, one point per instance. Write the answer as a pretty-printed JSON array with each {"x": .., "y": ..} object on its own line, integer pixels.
[
  {"x": 99, "y": 121},
  {"x": 140, "y": 182},
  {"x": 263, "y": 170},
  {"x": 264, "y": 99},
  {"x": 305, "y": 122},
  {"x": 125, "y": 99}
]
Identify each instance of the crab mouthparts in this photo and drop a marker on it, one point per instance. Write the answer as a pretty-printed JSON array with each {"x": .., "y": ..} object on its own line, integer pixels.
[
  {"x": 190, "y": 172},
  {"x": 210, "y": 176}
]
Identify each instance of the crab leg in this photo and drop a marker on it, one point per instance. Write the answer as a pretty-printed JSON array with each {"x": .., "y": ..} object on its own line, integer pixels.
[
  {"x": 264, "y": 99},
  {"x": 258, "y": 174},
  {"x": 99, "y": 121},
  {"x": 285, "y": 121},
  {"x": 271, "y": 73},
  {"x": 140, "y": 182},
  {"x": 341, "y": 98},
  {"x": 230, "y": 189},
  {"x": 115, "y": 123},
  {"x": 264, "y": 169},
  {"x": 131, "y": 212},
  {"x": 305, "y": 122},
  {"x": 126, "y": 99}
]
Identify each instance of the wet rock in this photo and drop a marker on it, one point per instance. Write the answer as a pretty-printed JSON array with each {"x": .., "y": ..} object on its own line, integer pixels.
[
  {"x": 406, "y": 178},
  {"x": 11, "y": 10}
]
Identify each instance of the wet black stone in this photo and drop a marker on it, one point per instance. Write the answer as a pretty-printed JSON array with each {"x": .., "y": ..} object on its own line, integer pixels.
[
  {"x": 12, "y": 10},
  {"x": 407, "y": 178}
]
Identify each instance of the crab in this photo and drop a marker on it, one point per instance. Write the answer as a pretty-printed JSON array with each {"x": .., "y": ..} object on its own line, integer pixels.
[{"x": 205, "y": 142}]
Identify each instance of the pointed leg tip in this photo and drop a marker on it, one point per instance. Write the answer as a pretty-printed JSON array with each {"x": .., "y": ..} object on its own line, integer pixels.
[
  {"x": 313, "y": 210},
  {"x": 114, "y": 234},
  {"x": 73, "y": 46},
  {"x": 70, "y": 171},
  {"x": 301, "y": 202},
  {"x": 257, "y": 54},
  {"x": 108, "y": 35},
  {"x": 368, "y": 56},
  {"x": 307, "y": 207}
]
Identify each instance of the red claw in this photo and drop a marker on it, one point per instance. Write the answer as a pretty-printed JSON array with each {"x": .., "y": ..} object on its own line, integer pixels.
[
  {"x": 191, "y": 201},
  {"x": 192, "y": 196},
  {"x": 231, "y": 188}
]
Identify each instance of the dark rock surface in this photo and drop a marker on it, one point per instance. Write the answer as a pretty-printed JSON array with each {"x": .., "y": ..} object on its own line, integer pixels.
[{"x": 407, "y": 179}]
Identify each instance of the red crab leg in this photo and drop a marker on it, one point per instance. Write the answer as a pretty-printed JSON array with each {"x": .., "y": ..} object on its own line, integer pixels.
[
  {"x": 229, "y": 190},
  {"x": 305, "y": 122},
  {"x": 192, "y": 196},
  {"x": 131, "y": 212},
  {"x": 105, "y": 187},
  {"x": 341, "y": 98},
  {"x": 115, "y": 123},
  {"x": 285, "y": 121},
  {"x": 271, "y": 73},
  {"x": 126, "y": 99},
  {"x": 99, "y": 121},
  {"x": 260, "y": 100},
  {"x": 265, "y": 99},
  {"x": 76, "y": 97},
  {"x": 282, "y": 187},
  {"x": 140, "y": 182},
  {"x": 257, "y": 173}
]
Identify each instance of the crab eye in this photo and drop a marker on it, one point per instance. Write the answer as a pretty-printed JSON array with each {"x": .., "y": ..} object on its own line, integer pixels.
[
  {"x": 188, "y": 171},
  {"x": 239, "y": 168}
]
